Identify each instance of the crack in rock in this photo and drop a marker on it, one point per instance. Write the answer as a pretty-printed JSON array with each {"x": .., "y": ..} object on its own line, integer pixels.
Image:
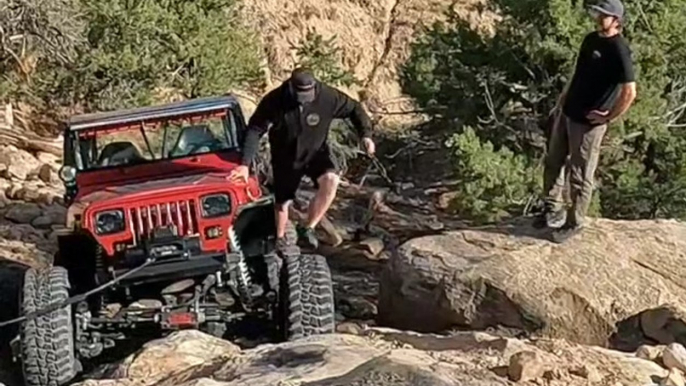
[{"x": 389, "y": 32}]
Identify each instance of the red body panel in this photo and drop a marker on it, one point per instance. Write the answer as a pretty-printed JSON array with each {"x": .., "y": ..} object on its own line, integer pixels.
[{"x": 160, "y": 183}]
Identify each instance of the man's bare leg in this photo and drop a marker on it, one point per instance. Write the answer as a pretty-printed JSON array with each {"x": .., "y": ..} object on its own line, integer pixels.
[
  {"x": 281, "y": 213},
  {"x": 328, "y": 186}
]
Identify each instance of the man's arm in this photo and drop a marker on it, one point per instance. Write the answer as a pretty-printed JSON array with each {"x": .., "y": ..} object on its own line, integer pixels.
[
  {"x": 627, "y": 95},
  {"x": 258, "y": 125},
  {"x": 346, "y": 107},
  {"x": 627, "y": 81}
]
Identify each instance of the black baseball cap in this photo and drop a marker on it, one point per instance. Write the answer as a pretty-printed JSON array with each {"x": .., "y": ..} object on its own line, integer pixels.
[
  {"x": 303, "y": 83},
  {"x": 609, "y": 7}
]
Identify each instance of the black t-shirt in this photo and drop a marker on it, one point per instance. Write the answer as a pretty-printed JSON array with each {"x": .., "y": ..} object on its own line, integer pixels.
[{"x": 604, "y": 63}]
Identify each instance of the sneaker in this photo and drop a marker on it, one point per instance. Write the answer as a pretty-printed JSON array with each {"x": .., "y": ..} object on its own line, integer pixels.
[
  {"x": 550, "y": 219},
  {"x": 565, "y": 233},
  {"x": 557, "y": 219},
  {"x": 307, "y": 237}
]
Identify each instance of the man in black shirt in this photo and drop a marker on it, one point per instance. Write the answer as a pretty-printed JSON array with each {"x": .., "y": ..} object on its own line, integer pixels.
[
  {"x": 298, "y": 115},
  {"x": 602, "y": 89}
]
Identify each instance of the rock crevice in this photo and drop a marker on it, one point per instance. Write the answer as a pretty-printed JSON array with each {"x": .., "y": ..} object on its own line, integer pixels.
[{"x": 387, "y": 38}]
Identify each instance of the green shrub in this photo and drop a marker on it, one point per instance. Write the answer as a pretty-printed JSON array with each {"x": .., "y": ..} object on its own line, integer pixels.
[
  {"x": 491, "y": 183},
  {"x": 136, "y": 50},
  {"x": 504, "y": 85},
  {"x": 35, "y": 34},
  {"x": 129, "y": 53}
]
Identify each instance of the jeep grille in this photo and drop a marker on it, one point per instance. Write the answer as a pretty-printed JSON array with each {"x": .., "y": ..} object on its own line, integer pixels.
[{"x": 181, "y": 214}]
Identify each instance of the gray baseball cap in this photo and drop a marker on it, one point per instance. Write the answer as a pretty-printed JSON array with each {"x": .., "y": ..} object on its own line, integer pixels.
[{"x": 610, "y": 7}]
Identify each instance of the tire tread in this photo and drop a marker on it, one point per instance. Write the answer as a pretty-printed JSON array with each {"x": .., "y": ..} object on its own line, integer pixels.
[
  {"x": 309, "y": 296},
  {"x": 47, "y": 342}
]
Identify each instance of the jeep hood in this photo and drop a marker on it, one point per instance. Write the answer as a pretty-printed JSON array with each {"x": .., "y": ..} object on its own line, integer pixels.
[{"x": 154, "y": 188}]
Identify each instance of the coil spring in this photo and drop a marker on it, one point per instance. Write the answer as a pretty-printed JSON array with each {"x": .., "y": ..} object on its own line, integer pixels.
[{"x": 243, "y": 275}]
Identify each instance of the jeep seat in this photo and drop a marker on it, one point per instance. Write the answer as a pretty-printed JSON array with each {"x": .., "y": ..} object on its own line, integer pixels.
[
  {"x": 119, "y": 153},
  {"x": 194, "y": 139}
]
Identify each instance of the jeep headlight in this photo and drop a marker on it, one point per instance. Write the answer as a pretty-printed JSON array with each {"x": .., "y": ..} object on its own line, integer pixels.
[
  {"x": 67, "y": 174},
  {"x": 216, "y": 205},
  {"x": 109, "y": 221}
]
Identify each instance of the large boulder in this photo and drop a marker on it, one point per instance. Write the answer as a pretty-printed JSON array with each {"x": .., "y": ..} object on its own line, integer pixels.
[
  {"x": 607, "y": 285},
  {"x": 381, "y": 357}
]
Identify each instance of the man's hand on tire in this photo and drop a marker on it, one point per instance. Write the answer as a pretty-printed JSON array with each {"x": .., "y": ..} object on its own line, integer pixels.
[{"x": 240, "y": 173}]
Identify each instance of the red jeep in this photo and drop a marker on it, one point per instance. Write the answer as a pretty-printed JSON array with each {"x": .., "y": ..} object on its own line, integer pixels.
[{"x": 159, "y": 237}]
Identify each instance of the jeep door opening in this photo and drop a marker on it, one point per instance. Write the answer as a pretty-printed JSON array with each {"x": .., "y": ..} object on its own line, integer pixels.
[{"x": 153, "y": 218}]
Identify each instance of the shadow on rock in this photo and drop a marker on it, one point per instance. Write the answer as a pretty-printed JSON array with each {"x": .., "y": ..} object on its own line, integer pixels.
[
  {"x": 295, "y": 356},
  {"x": 521, "y": 227},
  {"x": 658, "y": 326},
  {"x": 11, "y": 281},
  {"x": 384, "y": 372}
]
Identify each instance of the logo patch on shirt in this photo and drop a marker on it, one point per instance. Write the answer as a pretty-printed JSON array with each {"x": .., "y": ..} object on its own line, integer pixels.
[
  {"x": 312, "y": 119},
  {"x": 596, "y": 54}
]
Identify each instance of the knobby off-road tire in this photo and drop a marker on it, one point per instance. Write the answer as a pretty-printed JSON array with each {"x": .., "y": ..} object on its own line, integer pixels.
[
  {"x": 291, "y": 237},
  {"x": 306, "y": 298},
  {"x": 274, "y": 261},
  {"x": 47, "y": 342}
]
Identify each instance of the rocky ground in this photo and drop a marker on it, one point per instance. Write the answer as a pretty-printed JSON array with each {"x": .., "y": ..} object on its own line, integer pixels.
[
  {"x": 384, "y": 357},
  {"x": 30, "y": 205},
  {"x": 496, "y": 305}
]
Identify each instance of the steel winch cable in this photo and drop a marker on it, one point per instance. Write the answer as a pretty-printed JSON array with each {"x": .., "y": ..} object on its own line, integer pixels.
[
  {"x": 75, "y": 299},
  {"x": 383, "y": 173}
]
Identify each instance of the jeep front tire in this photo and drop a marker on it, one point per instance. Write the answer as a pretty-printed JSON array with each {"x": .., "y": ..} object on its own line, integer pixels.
[
  {"x": 306, "y": 298},
  {"x": 47, "y": 342}
]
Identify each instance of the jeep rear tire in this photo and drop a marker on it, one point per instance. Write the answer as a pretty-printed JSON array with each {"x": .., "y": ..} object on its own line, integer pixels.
[
  {"x": 47, "y": 342},
  {"x": 306, "y": 298}
]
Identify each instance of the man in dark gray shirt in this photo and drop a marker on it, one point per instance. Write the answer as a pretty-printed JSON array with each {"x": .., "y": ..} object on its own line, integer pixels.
[{"x": 298, "y": 115}]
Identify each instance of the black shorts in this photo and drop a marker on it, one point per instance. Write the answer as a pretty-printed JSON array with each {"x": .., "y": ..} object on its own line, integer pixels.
[{"x": 287, "y": 179}]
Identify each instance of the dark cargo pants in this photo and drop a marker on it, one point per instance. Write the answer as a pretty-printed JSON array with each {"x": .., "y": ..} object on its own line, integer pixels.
[{"x": 581, "y": 143}]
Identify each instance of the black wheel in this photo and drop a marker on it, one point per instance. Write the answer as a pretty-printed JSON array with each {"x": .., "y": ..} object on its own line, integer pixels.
[
  {"x": 47, "y": 342},
  {"x": 306, "y": 300}
]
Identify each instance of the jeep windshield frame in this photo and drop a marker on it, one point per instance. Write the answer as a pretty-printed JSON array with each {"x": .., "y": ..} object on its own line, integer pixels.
[{"x": 173, "y": 131}]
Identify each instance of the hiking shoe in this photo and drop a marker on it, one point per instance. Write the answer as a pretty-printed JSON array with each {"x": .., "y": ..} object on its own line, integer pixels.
[
  {"x": 550, "y": 219},
  {"x": 307, "y": 237},
  {"x": 565, "y": 233},
  {"x": 557, "y": 218}
]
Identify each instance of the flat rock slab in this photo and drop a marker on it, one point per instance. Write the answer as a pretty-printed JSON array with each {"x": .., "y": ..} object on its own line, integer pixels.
[
  {"x": 614, "y": 274},
  {"x": 380, "y": 357}
]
